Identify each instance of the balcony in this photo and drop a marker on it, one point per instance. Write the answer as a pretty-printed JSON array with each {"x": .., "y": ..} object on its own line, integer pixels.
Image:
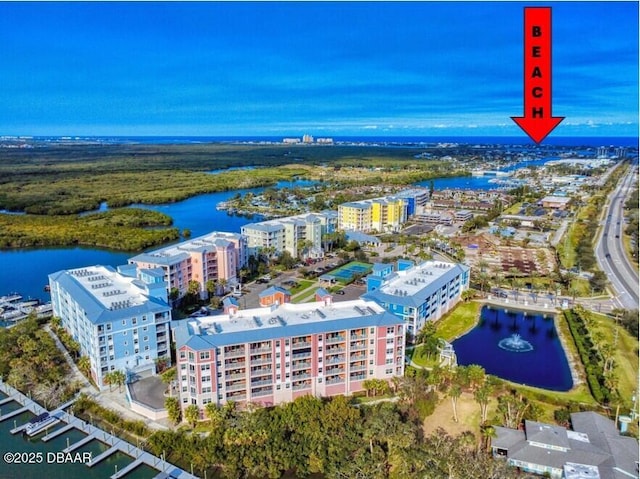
[
  {"x": 234, "y": 363},
  {"x": 260, "y": 361},
  {"x": 237, "y": 396},
  {"x": 355, "y": 337},
  {"x": 161, "y": 328},
  {"x": 230, "y": 377},
  {"x": 300, "y": 356},
  {"x": 300, "y": 344},
  {"x": 261, "y": 349},
  {"x": 358, "y": 346},
  {"x": 335, "y": 339},
  {"x": 299, "y": 386},
  {"x": 335, "y": 360},
  {"x": 261, "y": 372},
  {"x": 301, "y": 365},
  {"x": 337, "y": 380},
  {"x": 261, "y": 392},
  {"x": 330, "y": 351},
  {"x": 264, "y": 382},
  {"x": 236, "y": 387},
  {"x": 358, "y": 357},
  {"x": 358, "y": 367},
  {"x": 234, "y": 353},
  {"x": 330, "y": 371},
  {"x": 357, "y": 377},
  {"x": 297, "y": 377}
]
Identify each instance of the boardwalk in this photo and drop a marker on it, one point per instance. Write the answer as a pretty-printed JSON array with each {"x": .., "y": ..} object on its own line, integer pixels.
[{"x": 93, "y": 433}]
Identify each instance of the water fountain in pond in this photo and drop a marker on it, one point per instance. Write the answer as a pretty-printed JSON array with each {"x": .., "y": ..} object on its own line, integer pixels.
[{"x": 515, "y": 344}]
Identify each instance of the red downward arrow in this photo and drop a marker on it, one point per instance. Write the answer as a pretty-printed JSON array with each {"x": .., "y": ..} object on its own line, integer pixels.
[{"x": 538, "y": 120}]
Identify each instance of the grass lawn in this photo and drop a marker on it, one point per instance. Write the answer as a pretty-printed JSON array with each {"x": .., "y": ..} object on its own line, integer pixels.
[
  {"x": 421, "y": 359},
  {"x": 302, "y": 285},
  {"x": 305, "y": 296},
  {"x": 626, "y": 353},
  {"x": 513, "y": 209},
  {"x": 459, "y": 320}
]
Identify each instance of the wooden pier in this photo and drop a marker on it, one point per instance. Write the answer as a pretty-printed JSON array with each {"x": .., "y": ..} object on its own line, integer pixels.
[{"x": 115, "y": 444}]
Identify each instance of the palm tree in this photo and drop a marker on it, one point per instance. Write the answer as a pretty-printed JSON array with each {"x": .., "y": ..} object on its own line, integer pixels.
[
  {"x": 454, "y": 393},
  {"x": 119, "y": 378},
  {"x": 223, "y": 284},
  {"x": 84, "y": 365},
  {"x": 192, "y": 414},
  {"x": 211, "y": 286}
]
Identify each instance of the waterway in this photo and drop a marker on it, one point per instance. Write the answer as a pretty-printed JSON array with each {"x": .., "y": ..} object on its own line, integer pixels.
[
  {"x": 26, "y": 270},
  {"x": 19, "y": 443}
]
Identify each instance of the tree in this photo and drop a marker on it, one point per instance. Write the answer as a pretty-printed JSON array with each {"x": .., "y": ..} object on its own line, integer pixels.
[
  {"x": 192, "y": 414},
  {"x": 482, "y": 395},
  {"x": 172, "y": 405},
  {"x": 454, "y": 393},
  {"x": 598, "y": 281},
  {"x": 211, "y": 285},
  {"x": 118, "y": 377},
  {"x": 168, "y": 377},
  {"x": 84, "y": 365}
]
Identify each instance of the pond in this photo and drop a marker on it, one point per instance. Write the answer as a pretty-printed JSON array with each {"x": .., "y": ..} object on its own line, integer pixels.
[{"x": 519, "y": 346}]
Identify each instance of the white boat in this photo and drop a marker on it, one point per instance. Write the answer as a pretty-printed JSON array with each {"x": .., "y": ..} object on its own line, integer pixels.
[{"x": 39, "y": 423}]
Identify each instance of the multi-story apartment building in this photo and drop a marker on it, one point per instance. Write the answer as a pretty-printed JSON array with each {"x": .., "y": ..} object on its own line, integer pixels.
[
  {"x": 120, "y": 317},
  {"x": 215, "y": 256},
  {"x": 274, "y": 355},
  {"x": 383, "y": 214},
  {"x": 299, "y": 235},
  {"x": 418, "y": 293},
  {"x": 355, "y": 216}
]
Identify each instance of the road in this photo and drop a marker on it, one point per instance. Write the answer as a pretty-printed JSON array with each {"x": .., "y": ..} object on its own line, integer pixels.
[{"x": 610, "y": 253}]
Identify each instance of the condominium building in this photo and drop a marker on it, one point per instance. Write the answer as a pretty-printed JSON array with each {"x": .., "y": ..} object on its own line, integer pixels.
[
  {"x": 215, "y": 256},
  {"x": 418, "y": 293},
  {"x": 274, "y": 355},
  {"x": 120, "y": 318},
  {"x": 385, "y": 214},
  {"x": 355, "y": 216},
  {"x": 300, "y": 235}
]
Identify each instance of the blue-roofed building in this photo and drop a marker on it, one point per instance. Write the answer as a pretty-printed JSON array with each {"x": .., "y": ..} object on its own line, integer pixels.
[
  {"x": 120, "y": 318},
  {"x": 382, "y": 270},
  {"x": 419, "y": 293},
  {"x": 276, "y": 354}
]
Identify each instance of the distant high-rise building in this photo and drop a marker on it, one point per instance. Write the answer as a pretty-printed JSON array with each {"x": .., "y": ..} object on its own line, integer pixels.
[
  {"x": 621, "y": 152},
  {"x": 603, "y": 152},
  {"x": 307, "y": 139}
]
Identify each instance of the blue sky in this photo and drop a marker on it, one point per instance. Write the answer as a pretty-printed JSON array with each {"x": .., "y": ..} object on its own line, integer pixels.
[{"x": 328, "y": 69}]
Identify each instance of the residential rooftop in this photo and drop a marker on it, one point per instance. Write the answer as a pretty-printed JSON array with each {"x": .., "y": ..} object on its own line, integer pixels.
[
  {"x": 413, "y": 285},
  {"x": 178, "y": 252},
  {"x": 285, "y": 320},
  {"x": 105, "y": 293}
]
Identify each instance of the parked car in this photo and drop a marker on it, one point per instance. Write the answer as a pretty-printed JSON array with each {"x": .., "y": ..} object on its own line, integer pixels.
[{"x": 340, "y": 291}]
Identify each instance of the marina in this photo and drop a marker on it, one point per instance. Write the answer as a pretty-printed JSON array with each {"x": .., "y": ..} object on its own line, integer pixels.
[
  {"x": 111, "y": 445},
  {"x": 14, "y": 308}
]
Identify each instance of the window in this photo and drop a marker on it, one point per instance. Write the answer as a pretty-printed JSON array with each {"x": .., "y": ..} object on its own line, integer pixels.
[
  {"x": 126, "y": 343},
  {"x": 124, "y": 333},
  {"x": 134, "y": 321},
  {"x": 145, "y": 338},
  {"x": 388, "y": 371},
  {"x": 144, "y": 330},
  {"x": 191, "y": 356},
  {"x": 370, "y": 361},
  {"x": 205, "y": 367},
  {"x": 144, "y": 318},
  {"x": 204, "y": 355},
  {"x": 108, "y": 326},
  {"x": 183, "y": 355},
  {"x": 126, "y": 353},
  {"x": 124, "y": 322}
]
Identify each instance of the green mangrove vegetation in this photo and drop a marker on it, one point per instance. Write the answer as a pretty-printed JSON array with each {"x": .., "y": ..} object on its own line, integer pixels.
[{"x": 127, "y": 229}]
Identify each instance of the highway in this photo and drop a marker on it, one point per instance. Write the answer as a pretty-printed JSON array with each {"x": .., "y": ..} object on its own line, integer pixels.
[{"x": 613, "y": 260}]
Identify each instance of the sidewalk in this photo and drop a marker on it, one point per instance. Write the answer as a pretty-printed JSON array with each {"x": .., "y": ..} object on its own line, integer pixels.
[{"x": 115, "y": 400}]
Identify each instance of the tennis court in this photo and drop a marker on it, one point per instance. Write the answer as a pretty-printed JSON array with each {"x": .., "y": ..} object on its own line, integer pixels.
[{"x": 345, "y": 274}]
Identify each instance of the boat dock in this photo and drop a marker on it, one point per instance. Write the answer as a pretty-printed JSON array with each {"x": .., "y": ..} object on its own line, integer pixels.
[{"x": 115, "y": 444}]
